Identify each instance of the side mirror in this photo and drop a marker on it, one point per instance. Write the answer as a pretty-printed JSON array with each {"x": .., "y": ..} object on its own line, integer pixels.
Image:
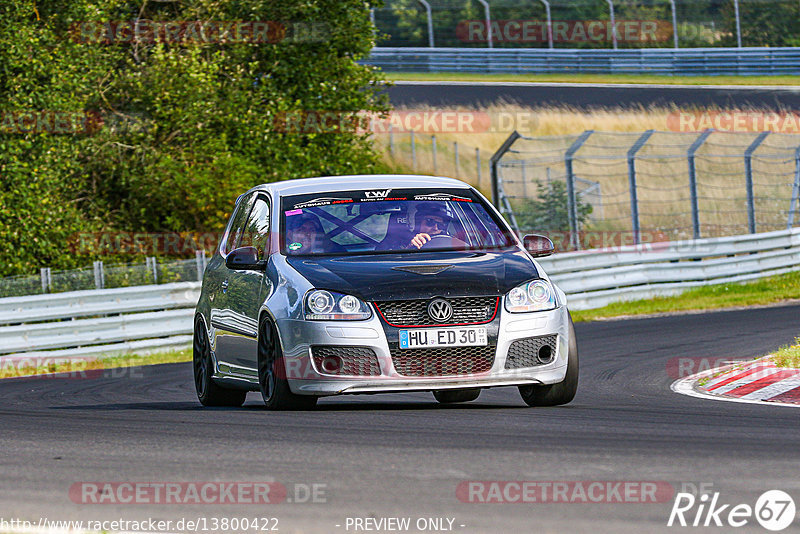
[
  {"x": 244, "y": 258},
  {"x": 538, "y": 245}
]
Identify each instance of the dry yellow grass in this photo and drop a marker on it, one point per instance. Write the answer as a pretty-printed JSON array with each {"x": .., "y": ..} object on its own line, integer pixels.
[
  {"x": 503, "y": 119},
  {"x": 661, "y": 164}
]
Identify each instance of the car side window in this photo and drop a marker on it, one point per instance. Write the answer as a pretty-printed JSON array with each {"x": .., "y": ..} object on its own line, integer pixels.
[
  {"x": 256, "y": 232},
  {"x": 237, "y": 224}
]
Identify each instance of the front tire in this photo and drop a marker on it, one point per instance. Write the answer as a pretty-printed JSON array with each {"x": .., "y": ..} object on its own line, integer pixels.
[
  {"x": 450, "y": 396},
  {"x": 272, "y": 373},
  {"x": 208, "y": 392},
  {"x": 562, "y": 392}
]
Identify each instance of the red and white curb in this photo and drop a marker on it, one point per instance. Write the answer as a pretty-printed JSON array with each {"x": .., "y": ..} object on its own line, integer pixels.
[{"x": 757, "y": 382}]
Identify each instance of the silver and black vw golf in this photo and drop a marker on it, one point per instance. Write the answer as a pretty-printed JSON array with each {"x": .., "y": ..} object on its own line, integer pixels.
[{"x": 372, "y": 284}]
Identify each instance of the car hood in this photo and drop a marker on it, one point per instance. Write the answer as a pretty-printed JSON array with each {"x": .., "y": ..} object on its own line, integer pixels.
[{"x": 399, "y": 276}]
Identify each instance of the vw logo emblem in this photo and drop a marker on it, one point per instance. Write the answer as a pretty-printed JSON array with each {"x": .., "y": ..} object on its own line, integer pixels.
[{"x": 440, "y": 310}]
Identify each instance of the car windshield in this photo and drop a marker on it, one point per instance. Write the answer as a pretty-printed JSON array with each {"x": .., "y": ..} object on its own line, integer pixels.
[{"x": 389, "y": 220}]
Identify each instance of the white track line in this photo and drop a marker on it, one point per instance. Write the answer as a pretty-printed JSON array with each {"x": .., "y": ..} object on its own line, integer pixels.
[{"x": 786, "y": 88}]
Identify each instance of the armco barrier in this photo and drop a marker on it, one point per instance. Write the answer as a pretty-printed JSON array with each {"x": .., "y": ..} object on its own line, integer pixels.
[
  {"x": 592, "y": 279},
  {"x": 682, "y": 61},
  {"x": 99, "y": 322},
  {"x": 115, "y": 321}
]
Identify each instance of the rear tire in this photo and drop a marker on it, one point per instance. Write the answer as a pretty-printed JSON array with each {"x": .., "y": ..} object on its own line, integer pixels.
[
  {"x": 208, "y": 392},
  {"x": 451, "y": 396},
  {"x": 562, "y": 392},
  {"x": 272, "y": 373}
]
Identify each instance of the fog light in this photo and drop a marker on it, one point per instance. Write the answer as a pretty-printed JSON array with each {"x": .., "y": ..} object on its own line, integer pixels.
[{"x": 331, "y": 364}]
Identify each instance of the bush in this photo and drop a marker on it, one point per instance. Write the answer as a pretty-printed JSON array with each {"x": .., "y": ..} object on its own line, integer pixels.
[{"x": 186, "y": 127}]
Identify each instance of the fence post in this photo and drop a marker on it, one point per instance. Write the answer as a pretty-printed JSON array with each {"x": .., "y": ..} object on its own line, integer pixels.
[
  {"x": 99, "y": 275},
  {"x": 795, "y": 189},
  {"x": 152, "y": 266},
  {"x": 549, "y": 23},
  {"x": 738, "y": 24},
  {"x": 488, "y": 21},
  {"x": 632, "y": 185},
  {"x": 47, "y": 280},
  {"x": 433, "y": 150},
  {"x": 613, "y": 23},
  {"x": 674, "y": 24},
  {"x": 572, "y": 201},
  {"x": 693, "y": 180},
  {"x": 494, "y": 175},
  {"x": 524, "y": 178},
  {"x": 200, "y": 261},
  {"x": 391, "y": 141},
  {"x": 748, "y": 175},
  {"x": 455, "y": 150},
  {"x": 413, "y": 152},
  {"x": 478, "y": 164},
  {"x": 430, "y": 21}
]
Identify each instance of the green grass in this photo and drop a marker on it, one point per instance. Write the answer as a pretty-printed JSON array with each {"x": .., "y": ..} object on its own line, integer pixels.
[
  {"x": 593, "y": 78},
  {"x": 788, "y": 355},
  {"x": 80, "y": 364},
  {"x": 765, "y": 291}
]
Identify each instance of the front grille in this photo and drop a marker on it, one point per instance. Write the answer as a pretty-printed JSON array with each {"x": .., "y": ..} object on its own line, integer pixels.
[
  {"x": 446, "y": 361},
  {"x": 466, "y": 310},
  {"x": 523, "y": 352},
  {"x": 356, "y": 361}
]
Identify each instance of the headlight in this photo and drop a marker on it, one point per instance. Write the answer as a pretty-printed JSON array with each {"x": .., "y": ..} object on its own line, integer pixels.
[
  {"x": 530, "y": 297},
  {"x": 321, "y": 305}
]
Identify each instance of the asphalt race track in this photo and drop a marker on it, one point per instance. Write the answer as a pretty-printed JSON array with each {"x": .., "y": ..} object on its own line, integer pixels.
[
  {"x": 404, "y": 455},
  {"x": 587, "y": 96}
]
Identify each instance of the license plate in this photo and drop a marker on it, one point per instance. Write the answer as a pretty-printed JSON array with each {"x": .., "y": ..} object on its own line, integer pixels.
[{"x": 430, "y": 338}]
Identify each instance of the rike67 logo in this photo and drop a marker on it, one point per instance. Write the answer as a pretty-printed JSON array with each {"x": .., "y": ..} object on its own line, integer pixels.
[{"x": 774, "y": 510}]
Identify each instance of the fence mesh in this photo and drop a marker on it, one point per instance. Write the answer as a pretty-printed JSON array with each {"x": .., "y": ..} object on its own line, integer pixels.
[
  {"x": 105, "y": 276},
  {"x": 617, "y": 173},
  {"x": 700, "y": 23}
]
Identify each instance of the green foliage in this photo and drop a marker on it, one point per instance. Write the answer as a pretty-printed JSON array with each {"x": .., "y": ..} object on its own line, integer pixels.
[
  {"x": 774, "y": 23},
  {"x": 186, "y": 127},
  {"x": 548, "y": 212}
]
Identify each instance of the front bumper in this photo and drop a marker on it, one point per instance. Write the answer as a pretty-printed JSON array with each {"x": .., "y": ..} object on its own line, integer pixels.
[{"x": 304, "y": 377}]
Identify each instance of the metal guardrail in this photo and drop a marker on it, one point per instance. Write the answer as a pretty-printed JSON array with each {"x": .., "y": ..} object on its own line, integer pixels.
[
  {"x": 592, "y": 279},
  {"x": 118, "y": 321},
  {"x": 683, "y": 61},
  {"x": 98, "y": 322}
]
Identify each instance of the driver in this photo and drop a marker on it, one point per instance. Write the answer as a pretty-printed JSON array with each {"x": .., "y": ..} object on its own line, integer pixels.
[
  {"x": 304, "y": 234},
  {"x": 432, "y": 219}
]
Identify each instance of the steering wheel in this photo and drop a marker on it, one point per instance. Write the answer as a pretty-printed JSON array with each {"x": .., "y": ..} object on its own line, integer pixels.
[{"x": 443, "y": 241}]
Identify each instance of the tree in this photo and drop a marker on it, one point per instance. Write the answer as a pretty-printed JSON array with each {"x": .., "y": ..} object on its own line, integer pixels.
[
  {"x": 548, "y": 213},
  {"x": 185, "y": 126}
]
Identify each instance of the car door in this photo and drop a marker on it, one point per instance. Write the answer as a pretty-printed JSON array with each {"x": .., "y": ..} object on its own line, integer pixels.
[
  {"x": 228, "y": 328},
  {"x": 247, "y": 289}
]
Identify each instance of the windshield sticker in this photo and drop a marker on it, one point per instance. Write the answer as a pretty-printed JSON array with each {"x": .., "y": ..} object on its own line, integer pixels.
[
  {"x": 322, "y": 202},
  {"x": 442, "y": 197},
  {"x": 295, "y": 246},
  {"x": 293, "y": 212},
  {"x": 377, "y": 194}
]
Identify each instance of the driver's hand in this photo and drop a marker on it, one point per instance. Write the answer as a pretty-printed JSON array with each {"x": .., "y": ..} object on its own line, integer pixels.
[{"x": 420, "y": 239}]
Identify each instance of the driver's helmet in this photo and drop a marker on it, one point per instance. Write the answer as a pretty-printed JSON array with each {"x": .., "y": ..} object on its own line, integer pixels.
[{"x": 428, "y": 208}]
